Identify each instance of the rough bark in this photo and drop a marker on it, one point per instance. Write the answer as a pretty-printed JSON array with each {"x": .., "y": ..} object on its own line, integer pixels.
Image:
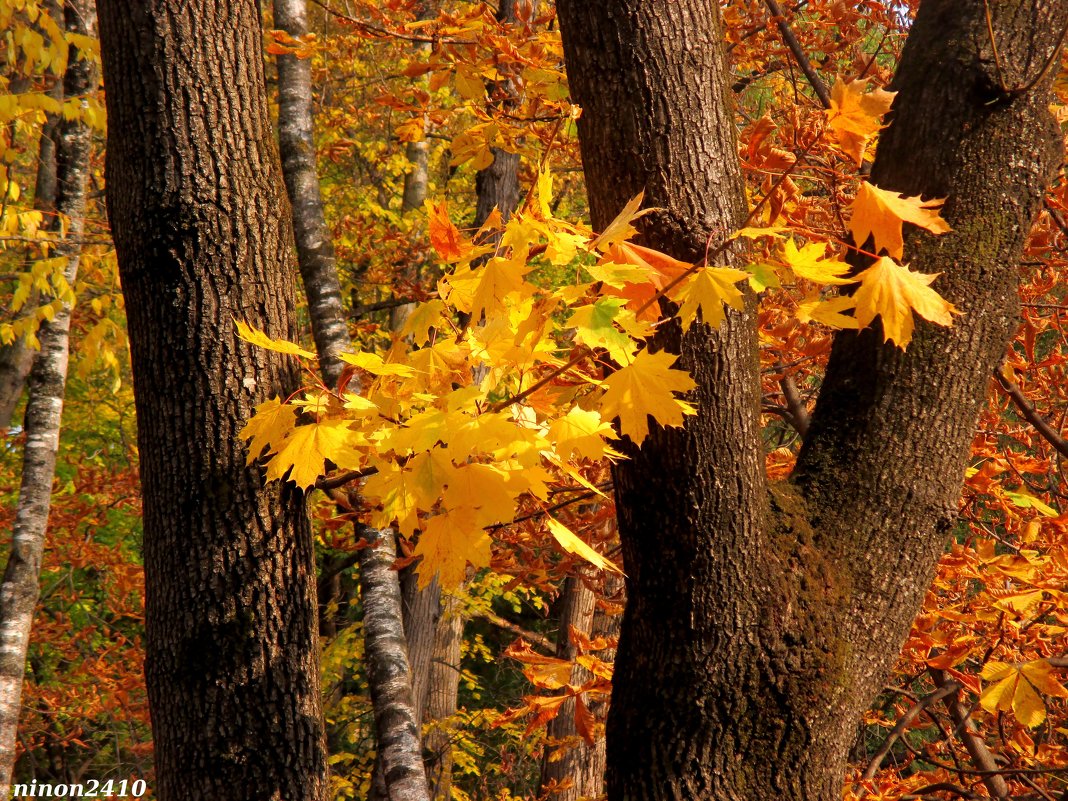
[
  {"x": 315, "y": 245},
  {"x": 388, "y": 673},
  {"x": 422, "y": 611},
  {"x": 44, "y": 408},
  {"x": 194, "y": 192},
  {"x": 761, "y": 620},
  {"x": 691, "y": 502},
  {"x": 577, "y": 604},
  {"x": 882, "y": 468}
]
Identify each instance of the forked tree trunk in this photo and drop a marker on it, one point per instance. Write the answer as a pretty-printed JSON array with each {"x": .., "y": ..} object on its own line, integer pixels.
[
  {"x": 761, "y": 620},
  {"x": 199, "y": 215},
  {"x": 44, "y": 408}
]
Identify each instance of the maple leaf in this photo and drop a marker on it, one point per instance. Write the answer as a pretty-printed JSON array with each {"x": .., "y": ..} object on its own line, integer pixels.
[
  {"x": 374, "y": 364},
  {"x": 305, "y": 451},
  {"x": 707, "y": 290},
  {"x": 583, "y": 433},
  {"x": 894, "y": 292},
  {"x": 856, "y": 116},
  {"x": 257, "y": 337},
  {"x": 594, "y": 326},
  {"x": 621, "y": 228},
  {"x": 448, "y": 543},
  {"x": 424, "y": 317},
  {"x": 444, "y": 236},
  {"x": 646, "y": 388},
  {"x": 571, "y": 543},
  {"x": 880, "y": 213},
  {"x": 268, "y": 427},
  {"x": 1017, "y": 687},
  {"x": 828, "y": 312},
  {"x": 481, "y": 487},
  {"x": 809, "y": 263}
]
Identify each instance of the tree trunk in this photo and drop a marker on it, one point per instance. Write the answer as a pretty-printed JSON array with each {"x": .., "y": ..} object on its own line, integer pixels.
[
  {"x": 882, "y": 467},
  {"x": 442, "y": 693},
  {"x": 760, "y": 621},
  {"x": 577, "y": 602},
  {"x": 315, "y": 245},
  {"x": 44, "y": 408},
  {"x": 386, "y": 654},
  {"x": 399, "y": 749},
  {"x": 17, "y": 358},
  {"x": 198, "y": 212}
]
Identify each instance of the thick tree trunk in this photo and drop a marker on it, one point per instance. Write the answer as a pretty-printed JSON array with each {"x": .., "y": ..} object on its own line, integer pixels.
[
  {"x": 198, "y": 212},
  {"x": 44, "y": 409},
  {"x": 315, "y": 245},
  {"x": 760, "y": 621},
  {"x": 882, "y": 467}
]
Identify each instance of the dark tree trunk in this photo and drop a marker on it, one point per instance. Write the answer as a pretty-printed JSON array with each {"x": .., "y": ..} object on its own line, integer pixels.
[
  {"x": 200, "y": 219},
  {"x": 761, "y": 620},
  {"x": 44, "y": 406}
]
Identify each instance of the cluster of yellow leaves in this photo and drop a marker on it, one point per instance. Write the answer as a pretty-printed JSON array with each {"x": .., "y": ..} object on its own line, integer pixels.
[{"x": 457, "y": 427}]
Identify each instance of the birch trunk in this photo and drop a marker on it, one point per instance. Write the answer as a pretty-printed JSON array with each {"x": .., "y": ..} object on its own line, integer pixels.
[
  {"x": 315, "y": 246},
  {"x": 17, "y": 358},
  {"x": 399, "y": 745},
  {"x": 386, "y": 653},
  {"x": 44, "y": 410}
]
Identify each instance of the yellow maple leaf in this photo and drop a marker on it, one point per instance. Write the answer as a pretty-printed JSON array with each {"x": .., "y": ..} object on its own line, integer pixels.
[
  {"x": 828, "y": 312},
  {"x": 621, "y": 228},
  {"x": 424, "y": 317},
  {"x": 880, "y": 213},
  {"x": 809, "y": 263},
  {"x": 374, "y": 364},
  {"x": 855, "y": 115},
  {"x": 305, "y": 452},
  {"x": 594, "y": 326},
  {"x": 268, "y": 427},
  {"x": 707, "y": 290},
  {"x": 257, "y": 337},
  {"x": 646, "y": 388},
  {"x": 484, "y": 488},
  {"x": 1017, "y": 687},
  {"x": 894, "y": 292},
  {"x": 582, "y": 433},
  {"x": 572, "y": 543},
  {"x": 448, "y": 542},
  {"x": 499, "y": 278},
  {"x": 395, "y": 489}
]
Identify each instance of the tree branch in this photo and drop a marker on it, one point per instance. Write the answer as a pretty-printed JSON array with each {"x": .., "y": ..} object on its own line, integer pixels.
[{"x": 1031, "y": 414}]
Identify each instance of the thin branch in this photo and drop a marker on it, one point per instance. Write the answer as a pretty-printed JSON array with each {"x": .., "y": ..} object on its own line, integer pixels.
[
  {"x": 795, "y": 404},
  {"x": 1030, "y": 413},
  {"x": 798, "y": 52},
  {"x": 544, "y": 643},
  {"x": 903, "y": 723},
  {"x": 973, "y": 742}
]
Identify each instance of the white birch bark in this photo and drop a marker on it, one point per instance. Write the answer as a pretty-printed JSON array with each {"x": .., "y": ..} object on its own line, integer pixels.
[{"x": 44, "y": 409}]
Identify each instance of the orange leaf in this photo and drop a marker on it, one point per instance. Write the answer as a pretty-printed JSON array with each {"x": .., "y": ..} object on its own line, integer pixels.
[{"x": 879, "y": 213}]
